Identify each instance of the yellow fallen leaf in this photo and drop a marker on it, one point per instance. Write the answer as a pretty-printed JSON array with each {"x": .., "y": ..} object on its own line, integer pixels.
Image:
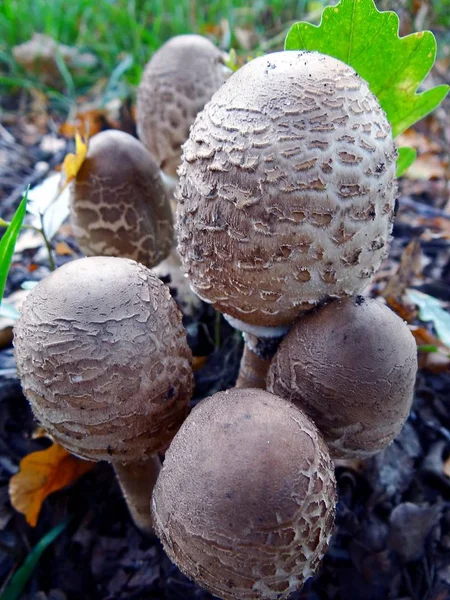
[
  {"x": 88, "y": 122},
  {"x": 73, "y": 162},
  {"x": 42, "y": 473},
  {"x": 63, "y": 249}
]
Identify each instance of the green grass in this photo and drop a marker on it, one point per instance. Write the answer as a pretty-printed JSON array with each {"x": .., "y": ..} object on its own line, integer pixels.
[
  {"x": 123, "y": 34},
  {"x": 116, "y": 31}
]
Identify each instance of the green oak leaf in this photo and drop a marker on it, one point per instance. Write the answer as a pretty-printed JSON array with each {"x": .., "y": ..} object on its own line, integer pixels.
[
  {"x": 406, "y": 157},
  {"x": 357, "y": 33}
]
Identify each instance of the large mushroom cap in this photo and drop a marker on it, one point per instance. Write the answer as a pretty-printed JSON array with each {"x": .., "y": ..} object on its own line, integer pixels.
[
  {"x": 351, "y": 366},
  {"x": 245, "y": 501},
  {"x": 287, "y": 188},
  {"x": 177, "y": 82},
  {"x": 103, "y": 359},
  {"x": 118, "y": 203}
]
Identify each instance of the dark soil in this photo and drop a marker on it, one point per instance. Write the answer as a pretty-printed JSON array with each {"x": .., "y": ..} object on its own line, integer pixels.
[{"x": 392, "y": 536}]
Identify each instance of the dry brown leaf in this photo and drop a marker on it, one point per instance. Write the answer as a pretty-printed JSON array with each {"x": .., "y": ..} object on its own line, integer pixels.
[
  {"x": 410, "y": 267},
  {"x": 198, "y": 362},
  {"x": 427, "y": 166},
  {"x": 64, "y": 249},
  {"x": 221, "y": 31},
  {"x": 424, "y": 337},
  {"x": 447, "y": 467},
  {"x": 419, "y": 141},
  {"x": 88, "y": 123},
  {"x": 438, "y": 361},
  {"x": 38, "y": 57},
  {"x": 406, "y": 312},
  {"x": 440, "y": 224},
  {"x": 42, "y": 473}
]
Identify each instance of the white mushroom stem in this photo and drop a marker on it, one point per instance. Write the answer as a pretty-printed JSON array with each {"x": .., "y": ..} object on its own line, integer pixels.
[
  {"x": 256, "y": 359},
  {"x": 137, "y": 481},
  {"x": 170, "y": 183},
  {"x": 253, "y": 370}
]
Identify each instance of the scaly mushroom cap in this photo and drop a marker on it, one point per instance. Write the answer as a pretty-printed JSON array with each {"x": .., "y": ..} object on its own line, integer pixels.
[
  {"x": 177, "y": 82},
  {"x": 351, "y": 366},
  {"x": 103, "y": 359},
  {"x": 287, "y": 188},
  {"x": 118, "y": 203},
  {"x": 245, "y": 501}
]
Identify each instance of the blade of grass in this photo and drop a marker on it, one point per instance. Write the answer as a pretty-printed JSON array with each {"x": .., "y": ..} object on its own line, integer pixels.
[
  {"x": 8, "y": 242},
  {"x": 65, "y": 73},
  {"x": 23, "y": 574},
  {"x": 116, "y": 75}
]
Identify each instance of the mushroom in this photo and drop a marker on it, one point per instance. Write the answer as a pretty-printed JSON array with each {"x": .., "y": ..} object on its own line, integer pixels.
[
  {"x": 118, "y": 203},
  {"x": 287, "y": 191},
  {"x": 177, "y": 82},
  {"x": 351, "y": 366},
  {"x": 245, "y": 501},
  {"x": 103, "y": 360}
]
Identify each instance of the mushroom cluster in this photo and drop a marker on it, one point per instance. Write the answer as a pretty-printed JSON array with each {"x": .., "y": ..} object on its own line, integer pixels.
[
  {"x": 104, "y": 362},
  {"x": 286, "y": 204}
]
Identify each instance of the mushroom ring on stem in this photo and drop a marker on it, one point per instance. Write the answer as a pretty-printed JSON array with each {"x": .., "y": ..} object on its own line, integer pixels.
[
  {"x": 103, "y": 359},
  {"x": 245, "y": 501},
  {"x": 351, "y": 366},
  {"x": 118, "y": 203},
  {"x": 287, "y": 189}
]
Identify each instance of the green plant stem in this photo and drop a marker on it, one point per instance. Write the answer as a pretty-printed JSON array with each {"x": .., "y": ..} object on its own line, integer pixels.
[
  {"x": 47, "y": 244},
  {"x": 18, "y": 581},
  {"x": 42, "y": 232}
]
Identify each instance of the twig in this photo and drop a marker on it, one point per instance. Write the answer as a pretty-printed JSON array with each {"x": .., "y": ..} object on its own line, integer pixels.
[{"x": 423, "y": 209}]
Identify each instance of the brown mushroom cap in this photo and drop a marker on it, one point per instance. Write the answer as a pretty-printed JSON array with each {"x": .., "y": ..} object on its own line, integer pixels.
[
  {"x": 287, "y": 188},
  {"x": 177, "y": 82},
  {"x": 103, "y": 359},
  {"x": 118, "y": 203},
  {"x": 245, "y": 500},
  {"x": 351, "y": 367}
]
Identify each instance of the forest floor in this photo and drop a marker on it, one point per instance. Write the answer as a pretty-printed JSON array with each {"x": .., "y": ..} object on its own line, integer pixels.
[{"x": 392, "y": 536}]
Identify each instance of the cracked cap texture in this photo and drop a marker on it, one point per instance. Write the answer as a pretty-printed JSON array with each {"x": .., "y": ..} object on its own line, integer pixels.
[
  {"x": 176, "y": 84},
  {"x": 351, "y": 366},
  {"x": 118, "y": 204},
  {"x": 287, "y": 188},
  {"x": 245, "y": 502},
  {"x": 103, "y": 359}
]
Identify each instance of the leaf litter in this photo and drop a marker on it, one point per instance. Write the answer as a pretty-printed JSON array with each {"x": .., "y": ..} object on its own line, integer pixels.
[{"x": 392, "y": 538}]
